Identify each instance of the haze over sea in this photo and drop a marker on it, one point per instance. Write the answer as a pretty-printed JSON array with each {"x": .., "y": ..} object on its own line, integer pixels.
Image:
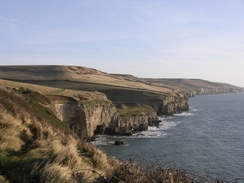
[{"x": 207, "y": 139}]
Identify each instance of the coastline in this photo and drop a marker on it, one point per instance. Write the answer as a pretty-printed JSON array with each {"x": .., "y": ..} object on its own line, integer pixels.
[{"x": 191, "y": 137}]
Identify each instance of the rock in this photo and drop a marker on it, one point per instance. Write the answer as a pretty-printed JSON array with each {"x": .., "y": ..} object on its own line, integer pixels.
[
  {"x": 155, "y": 123},
  {"x": 119, "y": 142}
]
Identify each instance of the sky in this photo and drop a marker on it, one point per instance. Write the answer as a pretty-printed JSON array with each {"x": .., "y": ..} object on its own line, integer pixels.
[{"x": 201, "y": 39}]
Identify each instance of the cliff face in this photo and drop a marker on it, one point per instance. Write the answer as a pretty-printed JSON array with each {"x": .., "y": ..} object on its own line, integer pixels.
[
  {"x": 91, "y": 118},
  {"x": 172, "y": 105},
  {"x": 73, "y": 116},
  {"x": 98, "y": 116},
  {"x": 87, "y": 118}
]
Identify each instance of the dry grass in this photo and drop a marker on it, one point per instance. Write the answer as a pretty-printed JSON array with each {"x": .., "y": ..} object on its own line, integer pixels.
[
  {"x": 3, "y": 179},
  {"x": 91, "y": 95},
  {"x": 131, "y": 172},
  {"x": 95, "y": 77},
  {"x": 10, "y": 132},
  {"x": 80, "y": 74}
]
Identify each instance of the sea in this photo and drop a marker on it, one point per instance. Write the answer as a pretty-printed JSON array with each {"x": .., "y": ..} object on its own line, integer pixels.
[{"x": 206, "y": 140}]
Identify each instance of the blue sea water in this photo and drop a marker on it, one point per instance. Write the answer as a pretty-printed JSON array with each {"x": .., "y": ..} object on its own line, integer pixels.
[{"x": 208, "y": 139}]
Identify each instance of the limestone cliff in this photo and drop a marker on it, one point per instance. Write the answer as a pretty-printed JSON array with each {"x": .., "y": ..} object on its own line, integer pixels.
[
  {"x": 99, "y": 115},
  {"x": 73, "y": 116},
  {"x": 88, "y": 117}
]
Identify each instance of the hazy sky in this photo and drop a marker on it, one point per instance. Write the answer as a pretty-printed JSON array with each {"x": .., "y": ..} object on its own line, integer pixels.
[{"x": 146, "y": 38}]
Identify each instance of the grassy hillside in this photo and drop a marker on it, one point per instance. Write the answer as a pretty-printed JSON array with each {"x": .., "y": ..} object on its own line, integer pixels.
[
  {"x": 74, "y": 74},
  {"x": 91, "y": 95},
  {"x": 82, "y": 78}
]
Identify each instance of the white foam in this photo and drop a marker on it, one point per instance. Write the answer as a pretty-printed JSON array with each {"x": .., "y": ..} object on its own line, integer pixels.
[
  {"x": 102, "y": 140},
  {"x": 157, "y": 132},
  {"x": 184, "y": 114}
]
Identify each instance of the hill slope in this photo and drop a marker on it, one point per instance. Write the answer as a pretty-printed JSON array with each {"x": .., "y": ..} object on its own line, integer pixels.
[
  {"x": 102, "y": 80},
  {"x": 72, "y": 73}
]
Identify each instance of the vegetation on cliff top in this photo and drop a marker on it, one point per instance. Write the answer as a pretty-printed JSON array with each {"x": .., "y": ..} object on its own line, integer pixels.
[{"x": 134, "y": 109}]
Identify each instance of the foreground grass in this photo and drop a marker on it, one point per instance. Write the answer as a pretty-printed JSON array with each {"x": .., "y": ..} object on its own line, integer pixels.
[{"x": 35, "y": 147}]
